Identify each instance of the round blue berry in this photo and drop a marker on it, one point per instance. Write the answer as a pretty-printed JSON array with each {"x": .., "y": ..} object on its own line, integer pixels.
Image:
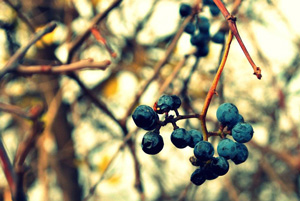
[
  {"x": 198, "y": 177},
  {"x": 227, "y": 113},
  {"x": 204, "y": 151},
  {"x": 145, "y": 117},
  {"x": 164, "y": 104},
  {"x": 199, "y": 40},
  {"x": 202, "y": 51},
  {"x": 204, "y": 25},
  {"x": 152, "y": 143},
  {"x": 209, "y": 173},
  {"x": 227, "y": 148},
  {"x": 185, "y": 10},
  {"x": 240, "y": 120},
  {"x": 242, "y": 154},
  {"x": 242, "y": 132},
  {"x": 180, "y": 138},
  {"x": 196, "y": 137},
  {"x": 219, "y": 165},
  {"x": 176, "y": 102},
  {"x": 214, "y": 10},
  {"x": 218, "y": 37},
  {"x": 190, "y": 28}
]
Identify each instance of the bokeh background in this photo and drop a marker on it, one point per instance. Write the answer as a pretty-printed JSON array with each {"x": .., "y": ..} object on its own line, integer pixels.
[{"x": 90, "y": 138}]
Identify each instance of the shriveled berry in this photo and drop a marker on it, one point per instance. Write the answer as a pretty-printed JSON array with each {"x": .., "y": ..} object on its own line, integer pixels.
[
  {"x": 164, "y": 104},
  {"x": 242, "y": 132},
  {"x": 185, "y": 10},
  {"x": 152, "y": 143},
  {"x": 219, "y": 165},
  {"x": 198, "y": 177},
  {"x": 196, "y": 137},
  {"x": 180, "y": 138},
  {"x": 204, "y": 151},
  {"x": 227, "y": 113},
  {"x": 227, "y": 148},
  {"x": 242, "y": 154},
  {"x": 145, "y": 117}
]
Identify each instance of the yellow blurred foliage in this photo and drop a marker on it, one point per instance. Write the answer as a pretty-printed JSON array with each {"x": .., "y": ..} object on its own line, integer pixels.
[
  {"x": 103, "y": 164},
  {"x": 114, "y": 179},
  {"x": 111, "y": 87},
  {"x": 46, "y": 39},
  {"x": 95, "y": 2}
]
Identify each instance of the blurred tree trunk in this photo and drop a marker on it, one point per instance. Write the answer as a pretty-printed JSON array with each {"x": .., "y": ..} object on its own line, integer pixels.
[{"x": 63, "y": 164}]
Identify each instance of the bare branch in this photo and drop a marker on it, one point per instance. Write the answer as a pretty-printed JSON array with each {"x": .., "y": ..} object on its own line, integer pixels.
[{"x": 79, "y": 65}]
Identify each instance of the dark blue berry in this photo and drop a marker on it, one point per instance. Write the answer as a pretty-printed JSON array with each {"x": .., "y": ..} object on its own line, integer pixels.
[
  {"x": 204, "y": 151},
  {"x": 202, "y": 51},
  {"x": 180, "y": 138},
  {"x": 198, "y": 177},
  {"x": 196, "y": 137},
  {"x": 145, "y": 117},
  {"x": 242, "y": 154},
  {"x": 190, "y": 28},
  {"x": 176, "y": 102},
  {"x": 242, "y": 132},
  {"x": 185, "y": 10},
  {"x": 152, "y": 143},
  {"x": 199, "y": 40},
  {"x": 227, "y": 148},
  {"x": 219, "y": 165},
  {"x": 164, "y": 104},
  {"x": 208, "y": 2},
  {"x": 204, "y": 25},
  {"x": 227, "y": 113},
  {"x": 209, "y": 173},
  {"x": 218, "y": 37},
  {"x": 240, "y": 120},
  {"x": 214, "y": 10}
]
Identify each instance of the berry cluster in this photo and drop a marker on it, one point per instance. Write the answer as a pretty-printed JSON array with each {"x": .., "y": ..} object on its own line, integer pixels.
[
  {"x": 210, "y": 167},
  {"x": 199, "y": 28}
]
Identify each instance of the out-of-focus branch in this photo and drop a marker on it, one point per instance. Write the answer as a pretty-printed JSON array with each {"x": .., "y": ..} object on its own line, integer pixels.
[
  {"x": 79, "y": 65},
  {"x": 7, "y": 169},
  {"x": 158, "y": 66},
  {"x": 80, "y": 39},
  {"x": 14, "y": 60},
  {"x": 33, "y": 113}
]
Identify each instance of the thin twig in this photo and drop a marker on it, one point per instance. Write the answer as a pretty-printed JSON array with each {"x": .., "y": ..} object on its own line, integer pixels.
[
  {"x": 80, "y": 39},
  {"x": 213, "y": 87},
  {"x": 122, "y": 145},
  {"x": 174, "y": 73},
  {"x": 33, "y": 113},
  {"x": 14, "y": 60},
  {"x": 232, "y": 25},
  {"x": 79, "y": 65}
]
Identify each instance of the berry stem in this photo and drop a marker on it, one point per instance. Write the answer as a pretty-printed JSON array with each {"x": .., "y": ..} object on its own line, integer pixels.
[
  {"x": 232, "y": 25},
  {"x": 213, "y": 87}
]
